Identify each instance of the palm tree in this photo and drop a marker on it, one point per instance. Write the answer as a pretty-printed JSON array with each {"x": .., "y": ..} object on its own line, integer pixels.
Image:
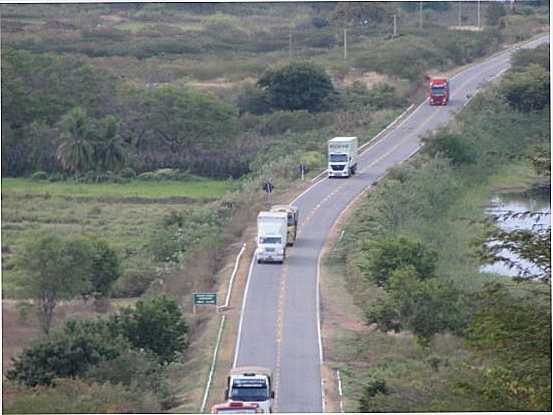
[
  {"x": 76, "y": 151},
  {"x": 109, "y": 149}
]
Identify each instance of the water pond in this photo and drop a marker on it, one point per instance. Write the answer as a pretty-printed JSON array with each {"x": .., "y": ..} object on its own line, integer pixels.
[{"x": 518, "y": 203}]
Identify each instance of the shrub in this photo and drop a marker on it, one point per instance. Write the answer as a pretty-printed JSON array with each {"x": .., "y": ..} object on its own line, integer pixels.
[
  {"x": 297, "y": 86},
  {"x": 39, "y": 175},
  {"x": 66, "y": 353},
  {"x": 527, "y": 90},
  {"x": 523, "y": 58},
  {"x": 156, "y": 325},
  {"x": 163, "y": 174},
  {"x": 127, "y": 173},
  {"x": 253, "y": 99},
  {"x": 452, "y": 146},
  {"x": 383, "y": 257},
  {"x": 133, "y": 283},
  {"x": 370, "y": 390}
]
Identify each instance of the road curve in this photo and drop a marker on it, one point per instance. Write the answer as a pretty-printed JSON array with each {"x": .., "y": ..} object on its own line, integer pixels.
[{"x": 279, "y": 326}]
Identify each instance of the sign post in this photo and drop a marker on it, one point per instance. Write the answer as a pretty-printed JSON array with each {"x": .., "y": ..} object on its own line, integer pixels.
[{"x": 203, "y": 299}]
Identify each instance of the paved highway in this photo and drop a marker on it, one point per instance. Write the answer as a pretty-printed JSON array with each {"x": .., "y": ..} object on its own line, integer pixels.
[{"x": 279, "y": 326}]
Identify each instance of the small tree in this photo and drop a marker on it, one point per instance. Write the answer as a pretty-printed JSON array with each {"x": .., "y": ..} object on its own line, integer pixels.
[
  {"x": 382, "y": 257},
  {"x": 66, "y": 353},
  {"x": 106, "y": 269},
  {"x": 297, "y": 86},
  {"x": 53, "y": 268},
  {"x": 494, "y": 13},
  {"x": 527, "y": 90},
  {"x": 156, "y": 325}
]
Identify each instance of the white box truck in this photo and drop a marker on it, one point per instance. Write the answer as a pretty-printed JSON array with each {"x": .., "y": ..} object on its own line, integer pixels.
[
  {"x": 342, "y": 156},
  {"x": 251, "y": 384},
  {"x": 272, "y": 230}
]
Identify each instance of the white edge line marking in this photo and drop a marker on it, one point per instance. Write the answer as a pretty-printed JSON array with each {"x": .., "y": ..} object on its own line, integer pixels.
[
  {"x": 234, "y": 274},
  {"x": 340, "y": 390},
  {"x": 206, "y": 392},
  {"x": 317, "y": 296},
  {"x": 237, "y": 348}
]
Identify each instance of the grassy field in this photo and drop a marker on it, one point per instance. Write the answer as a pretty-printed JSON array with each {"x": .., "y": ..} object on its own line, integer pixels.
[
  {"x": 198, "y": 189},
  {"x": 125, "y": 215}
]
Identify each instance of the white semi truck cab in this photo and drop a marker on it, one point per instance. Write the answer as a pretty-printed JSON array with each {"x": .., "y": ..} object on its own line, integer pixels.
[
  {"x": 251, "y": 385},
  {"x": 342, "y": 156},
  {"x": 272, "y": 230}
]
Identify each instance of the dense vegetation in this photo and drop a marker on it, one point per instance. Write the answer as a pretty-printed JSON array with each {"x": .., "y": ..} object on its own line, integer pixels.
[
  {"x": 413, "y": 253},
  {"x": 114, "y": 111}
]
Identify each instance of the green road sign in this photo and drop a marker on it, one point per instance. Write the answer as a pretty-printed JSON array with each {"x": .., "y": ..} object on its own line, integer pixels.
[{"x": 205, "y": 298}]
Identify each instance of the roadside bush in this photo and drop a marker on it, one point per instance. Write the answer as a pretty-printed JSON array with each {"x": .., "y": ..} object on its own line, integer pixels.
[
  {"x": 281, "y": 122},
  {"x": 523, "y": 58},
  {"x": 155, "y": 325},
  {"x": 456, "y": 148},
  {"x": 383, "y": 257},
  {"x": 370, "y": 390},
  {"x": 67, "y": 353},
  {"x": 133, "y": 283},
  {"x": 92, "y": 398},
  {"x": 527, "y": 90},
  {"x": 127, "y": 173}
]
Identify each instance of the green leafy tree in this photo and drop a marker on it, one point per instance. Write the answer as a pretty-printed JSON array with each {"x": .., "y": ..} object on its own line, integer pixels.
[
  {"x": 67, "y": 353},
  {"x": 513, "y": 332},
  {"x": 495, "y": 11},
  {"x": 76, "y": 151},
  {"x": 362, "y": 13},
  {"x": 297, "y": 86},
  {"x": 527, "y": 90},
  {"x": 426, "y": 307},
  {"x": 155, "y": 325},
  {"x": 383, "y": 257},
  {"x": 455, "y": 147},
  {"x": 105, "y": 270},
  {"x": 53, "y": 268},
  {"x": 523, "y": 58}
]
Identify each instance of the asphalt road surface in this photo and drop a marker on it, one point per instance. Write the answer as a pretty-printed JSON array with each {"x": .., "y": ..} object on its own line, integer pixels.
[{"x": 279, "y": 326}]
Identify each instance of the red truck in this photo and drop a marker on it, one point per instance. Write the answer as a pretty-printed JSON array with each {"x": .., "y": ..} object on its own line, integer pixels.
[{"x": 438, "y": 91}]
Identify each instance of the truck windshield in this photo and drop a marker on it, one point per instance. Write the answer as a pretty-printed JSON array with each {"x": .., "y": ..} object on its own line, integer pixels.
[
  {"x": 339, "y": 158},
  {"x": 256, "y": 392},
  {"x": 270, "y": 240},
  {"x": 438, "y": 90}
]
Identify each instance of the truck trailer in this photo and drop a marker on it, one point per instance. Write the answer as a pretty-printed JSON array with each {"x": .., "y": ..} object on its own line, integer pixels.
[
  {"x": 292, "y": 213},
  {"x": 272, "y": 236},
  {"x": 342, "y": 156},
  {"x": 251, "y": 385},
  {"x": 438, "y": 91}
]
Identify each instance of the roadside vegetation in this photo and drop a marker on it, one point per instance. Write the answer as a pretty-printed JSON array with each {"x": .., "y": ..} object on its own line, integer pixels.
[
  {"x": 137, "y": 136},
  {"x": 440, "y": 335}
]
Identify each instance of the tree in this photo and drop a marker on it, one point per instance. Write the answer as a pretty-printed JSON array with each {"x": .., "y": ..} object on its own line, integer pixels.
[
  {"x": 105, "y": 270},
  {"x": 297, "y": 86},
  {"x": 383, "y": 257},
  {"x": 426, "y": 307},
  {"x": 527, "y": 90},
  {"x": 512, "y": 330},
  {"x": 494, "y": 12},
  {"x": 523, "y": 58},
  {"x": 362, "y": 13},
  {"x": 109, "y": 149},
  {"x": 67, "y": 353},
  {"x": 76, "y": 151},
  {"x": 53, "y": 268},
  {"x": 156, "y": 325}
]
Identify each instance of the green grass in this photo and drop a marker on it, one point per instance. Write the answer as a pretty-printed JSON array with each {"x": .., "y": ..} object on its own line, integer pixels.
[
  {"x": 198, "y": 189},
  {"x": 125, "y": 215}
]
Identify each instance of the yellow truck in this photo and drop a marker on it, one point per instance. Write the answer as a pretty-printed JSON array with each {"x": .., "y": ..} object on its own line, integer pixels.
[{"x": 293, "y": 216}]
